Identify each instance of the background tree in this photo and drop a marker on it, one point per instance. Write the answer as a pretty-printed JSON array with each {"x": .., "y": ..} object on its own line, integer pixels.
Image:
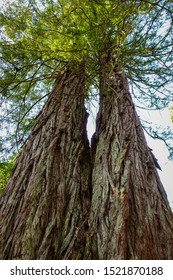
[
  {"x": 112, "y": 39},
  {"x": 5, "y": 171}
]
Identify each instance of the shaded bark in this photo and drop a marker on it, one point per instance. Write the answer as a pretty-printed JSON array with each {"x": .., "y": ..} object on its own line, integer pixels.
[
  {"x": 45, "y": 204},
  {"x": 130, "y": 217}
]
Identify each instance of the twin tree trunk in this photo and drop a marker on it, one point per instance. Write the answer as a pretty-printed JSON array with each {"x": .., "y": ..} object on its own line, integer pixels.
[{"x": 65, "y": 200}]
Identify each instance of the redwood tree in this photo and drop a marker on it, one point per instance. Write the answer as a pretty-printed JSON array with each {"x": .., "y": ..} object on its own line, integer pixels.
[
  {"x": 130, "y": 216},
  {"x": 66, "y": 199},
  {"x": 45, "y": 204}
]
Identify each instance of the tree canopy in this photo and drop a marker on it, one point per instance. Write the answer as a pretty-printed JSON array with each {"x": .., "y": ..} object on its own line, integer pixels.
[{"x": 38, "y": 38}]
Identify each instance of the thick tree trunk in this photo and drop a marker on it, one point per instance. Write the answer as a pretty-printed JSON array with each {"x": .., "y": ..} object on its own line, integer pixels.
[
  {"x": 45, "y": 205},
  {"x": 130, "y": 217},
  {"x": 47, "y": 211}
]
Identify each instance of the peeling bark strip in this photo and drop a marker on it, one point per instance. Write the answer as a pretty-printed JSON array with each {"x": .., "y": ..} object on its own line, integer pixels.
[
  {"x": 45, "y": 205},
  {"x": 130, "y": 217}
]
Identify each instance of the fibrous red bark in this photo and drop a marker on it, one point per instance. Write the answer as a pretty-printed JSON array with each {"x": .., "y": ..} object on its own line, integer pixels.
[
  {"x": 130, "y": 217},
  {"x": 44, "y": 207},
  {"x": 48, "y": 209}
]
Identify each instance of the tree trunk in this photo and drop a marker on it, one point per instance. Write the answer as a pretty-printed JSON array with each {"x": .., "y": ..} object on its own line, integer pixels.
[
  {"x": 45, "y": 204},
  {"x": 48, "y": 211},
  {"x": 130, "y": 217}
]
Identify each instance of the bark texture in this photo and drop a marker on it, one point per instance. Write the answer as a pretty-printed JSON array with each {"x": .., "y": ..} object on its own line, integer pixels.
[
  {"x": 54, "y": 207},
  {"x": 130, "y": 217},
  {"x": 44, "y": 207}
]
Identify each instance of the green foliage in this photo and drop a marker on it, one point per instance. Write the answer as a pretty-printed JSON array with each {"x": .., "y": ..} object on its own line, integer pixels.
[
  {"x": 5, "y": 171},
  {"x": 171, "y": 110},
  {"x": 40, "y": 36},
  {"x": 38, "y": 39}
]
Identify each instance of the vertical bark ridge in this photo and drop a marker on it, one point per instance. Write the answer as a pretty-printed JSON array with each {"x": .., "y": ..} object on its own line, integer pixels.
[
  {"x": 130, "y": 217},
  {"x": 45, "y": 205}
]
